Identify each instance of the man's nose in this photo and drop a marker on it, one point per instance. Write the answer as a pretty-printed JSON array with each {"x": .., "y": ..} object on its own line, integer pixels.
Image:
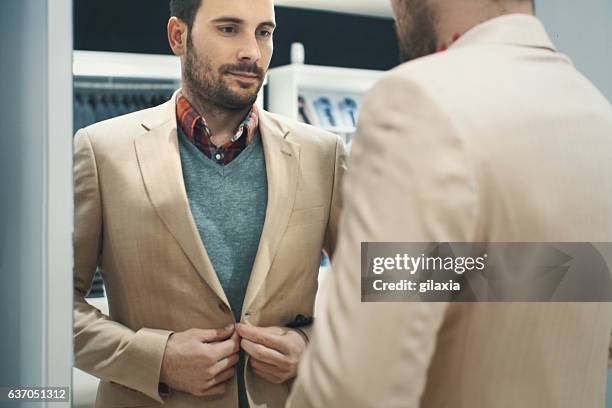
[{"x": 249, "y": 50}]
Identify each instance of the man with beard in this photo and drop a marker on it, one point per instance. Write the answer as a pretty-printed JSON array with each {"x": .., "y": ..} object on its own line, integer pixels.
[
  {"x": 201, "y": 213},
  {"x": 496, "y": 139}
]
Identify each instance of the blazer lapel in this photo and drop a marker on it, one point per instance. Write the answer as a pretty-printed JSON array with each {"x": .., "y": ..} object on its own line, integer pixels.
[
  {"x": 160, "y": 164},
  {"x": 282, "y": 165}
]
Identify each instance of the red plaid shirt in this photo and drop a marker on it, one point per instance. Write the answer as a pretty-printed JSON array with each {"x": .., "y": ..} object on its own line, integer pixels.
[{"x": 194, "y": 126}]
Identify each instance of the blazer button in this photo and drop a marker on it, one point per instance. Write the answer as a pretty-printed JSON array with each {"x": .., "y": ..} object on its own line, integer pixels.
[{"x": 223, "y": 307}]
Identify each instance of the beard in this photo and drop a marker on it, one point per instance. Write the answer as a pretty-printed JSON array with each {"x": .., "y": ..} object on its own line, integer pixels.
[
  {"x": 209, "y": 87},
  {"x": 416, "y": 30}
]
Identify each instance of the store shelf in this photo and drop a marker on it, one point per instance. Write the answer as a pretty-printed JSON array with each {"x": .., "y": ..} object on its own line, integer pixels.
[
  {"x": 126, "y": 65},
  {"x": 328, "y": 78},
  {"x": 327, "y": 97}
]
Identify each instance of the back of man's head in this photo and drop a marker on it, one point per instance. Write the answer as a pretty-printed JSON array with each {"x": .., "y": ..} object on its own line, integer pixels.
[{"x": 427, "y": 26}]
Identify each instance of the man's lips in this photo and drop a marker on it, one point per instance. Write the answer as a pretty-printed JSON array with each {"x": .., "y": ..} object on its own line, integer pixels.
[{"x": 244, "y": 75}]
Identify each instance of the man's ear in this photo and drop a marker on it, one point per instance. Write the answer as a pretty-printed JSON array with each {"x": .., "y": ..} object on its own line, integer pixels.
[{"x": 177, "y": 36}]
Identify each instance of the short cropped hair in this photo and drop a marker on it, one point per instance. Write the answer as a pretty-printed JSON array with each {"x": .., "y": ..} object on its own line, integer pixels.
[{"x": 185, "y": 10}]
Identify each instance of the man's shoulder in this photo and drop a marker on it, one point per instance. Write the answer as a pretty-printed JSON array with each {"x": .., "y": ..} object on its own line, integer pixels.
[
  {"x": 469, "y": 78},
  {"x": 124, "y": 127},
  {"x": 452, "y": 66},
  {"x": 303, "y": 134}
]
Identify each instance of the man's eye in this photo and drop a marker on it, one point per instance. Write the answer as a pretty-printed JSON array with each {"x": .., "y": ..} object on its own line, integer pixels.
[
  {"x": 265, "y": 33},
  {"x": 227, "y": 30}
]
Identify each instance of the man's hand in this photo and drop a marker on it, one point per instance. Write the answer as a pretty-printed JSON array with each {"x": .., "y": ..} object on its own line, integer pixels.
[
  {"x": 200, "y": 362},
  {"x": 275, "y": 351}
]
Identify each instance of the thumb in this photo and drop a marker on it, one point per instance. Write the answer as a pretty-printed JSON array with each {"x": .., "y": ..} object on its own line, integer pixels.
[{"x": 214, "y": 335}]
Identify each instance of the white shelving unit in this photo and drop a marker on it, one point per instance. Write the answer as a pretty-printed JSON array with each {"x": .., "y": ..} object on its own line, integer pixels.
[
  {"x": 286, "y": 84},
  {"x": 126, "y": 65}
]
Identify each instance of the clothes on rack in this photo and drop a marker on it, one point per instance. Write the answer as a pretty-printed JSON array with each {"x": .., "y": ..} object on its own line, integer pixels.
[
  {"x": 97, "y": 286},
  {"x": 91, "y": 106}
]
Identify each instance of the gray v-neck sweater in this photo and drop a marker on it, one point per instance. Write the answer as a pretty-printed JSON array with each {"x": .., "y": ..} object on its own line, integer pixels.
[{"x": 228, "y": 204}]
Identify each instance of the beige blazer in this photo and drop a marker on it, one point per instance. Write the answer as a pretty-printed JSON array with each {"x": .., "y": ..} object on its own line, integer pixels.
[
  {"x": 132, "y": 219},
  {"x": 498, "y": 139}
]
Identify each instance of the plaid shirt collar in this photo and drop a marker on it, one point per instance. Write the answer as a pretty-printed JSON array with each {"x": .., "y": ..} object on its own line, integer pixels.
[{"x": 197, "y": 131}]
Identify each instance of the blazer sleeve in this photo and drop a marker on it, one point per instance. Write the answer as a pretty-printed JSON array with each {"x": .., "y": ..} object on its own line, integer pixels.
[
  {"x": 409, "y": 182},
  {"x": 102, "y": 347},
  {"x": 340, "y": 168},
  {"x": 331, "y": 232}
]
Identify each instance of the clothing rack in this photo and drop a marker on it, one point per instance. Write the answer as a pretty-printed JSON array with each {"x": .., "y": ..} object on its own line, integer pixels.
[
  {"x": 98, "y": 99},
  {"x": 113, "y": 86},
  {"x": 110, "y": 84}
]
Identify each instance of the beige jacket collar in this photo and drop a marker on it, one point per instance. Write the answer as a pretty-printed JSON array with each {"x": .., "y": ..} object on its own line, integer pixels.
[{"x": 512, "y": 29}]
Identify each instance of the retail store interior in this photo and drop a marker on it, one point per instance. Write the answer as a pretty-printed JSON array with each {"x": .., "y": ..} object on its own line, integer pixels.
[{"x": 98, "y": 60}]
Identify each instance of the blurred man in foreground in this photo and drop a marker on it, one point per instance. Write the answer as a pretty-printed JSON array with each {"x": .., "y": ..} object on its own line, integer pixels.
[{"x": 496, "y": 139}]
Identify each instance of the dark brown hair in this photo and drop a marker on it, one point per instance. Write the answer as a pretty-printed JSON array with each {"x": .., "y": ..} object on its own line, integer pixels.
[{"x": 185, "y": 10}]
